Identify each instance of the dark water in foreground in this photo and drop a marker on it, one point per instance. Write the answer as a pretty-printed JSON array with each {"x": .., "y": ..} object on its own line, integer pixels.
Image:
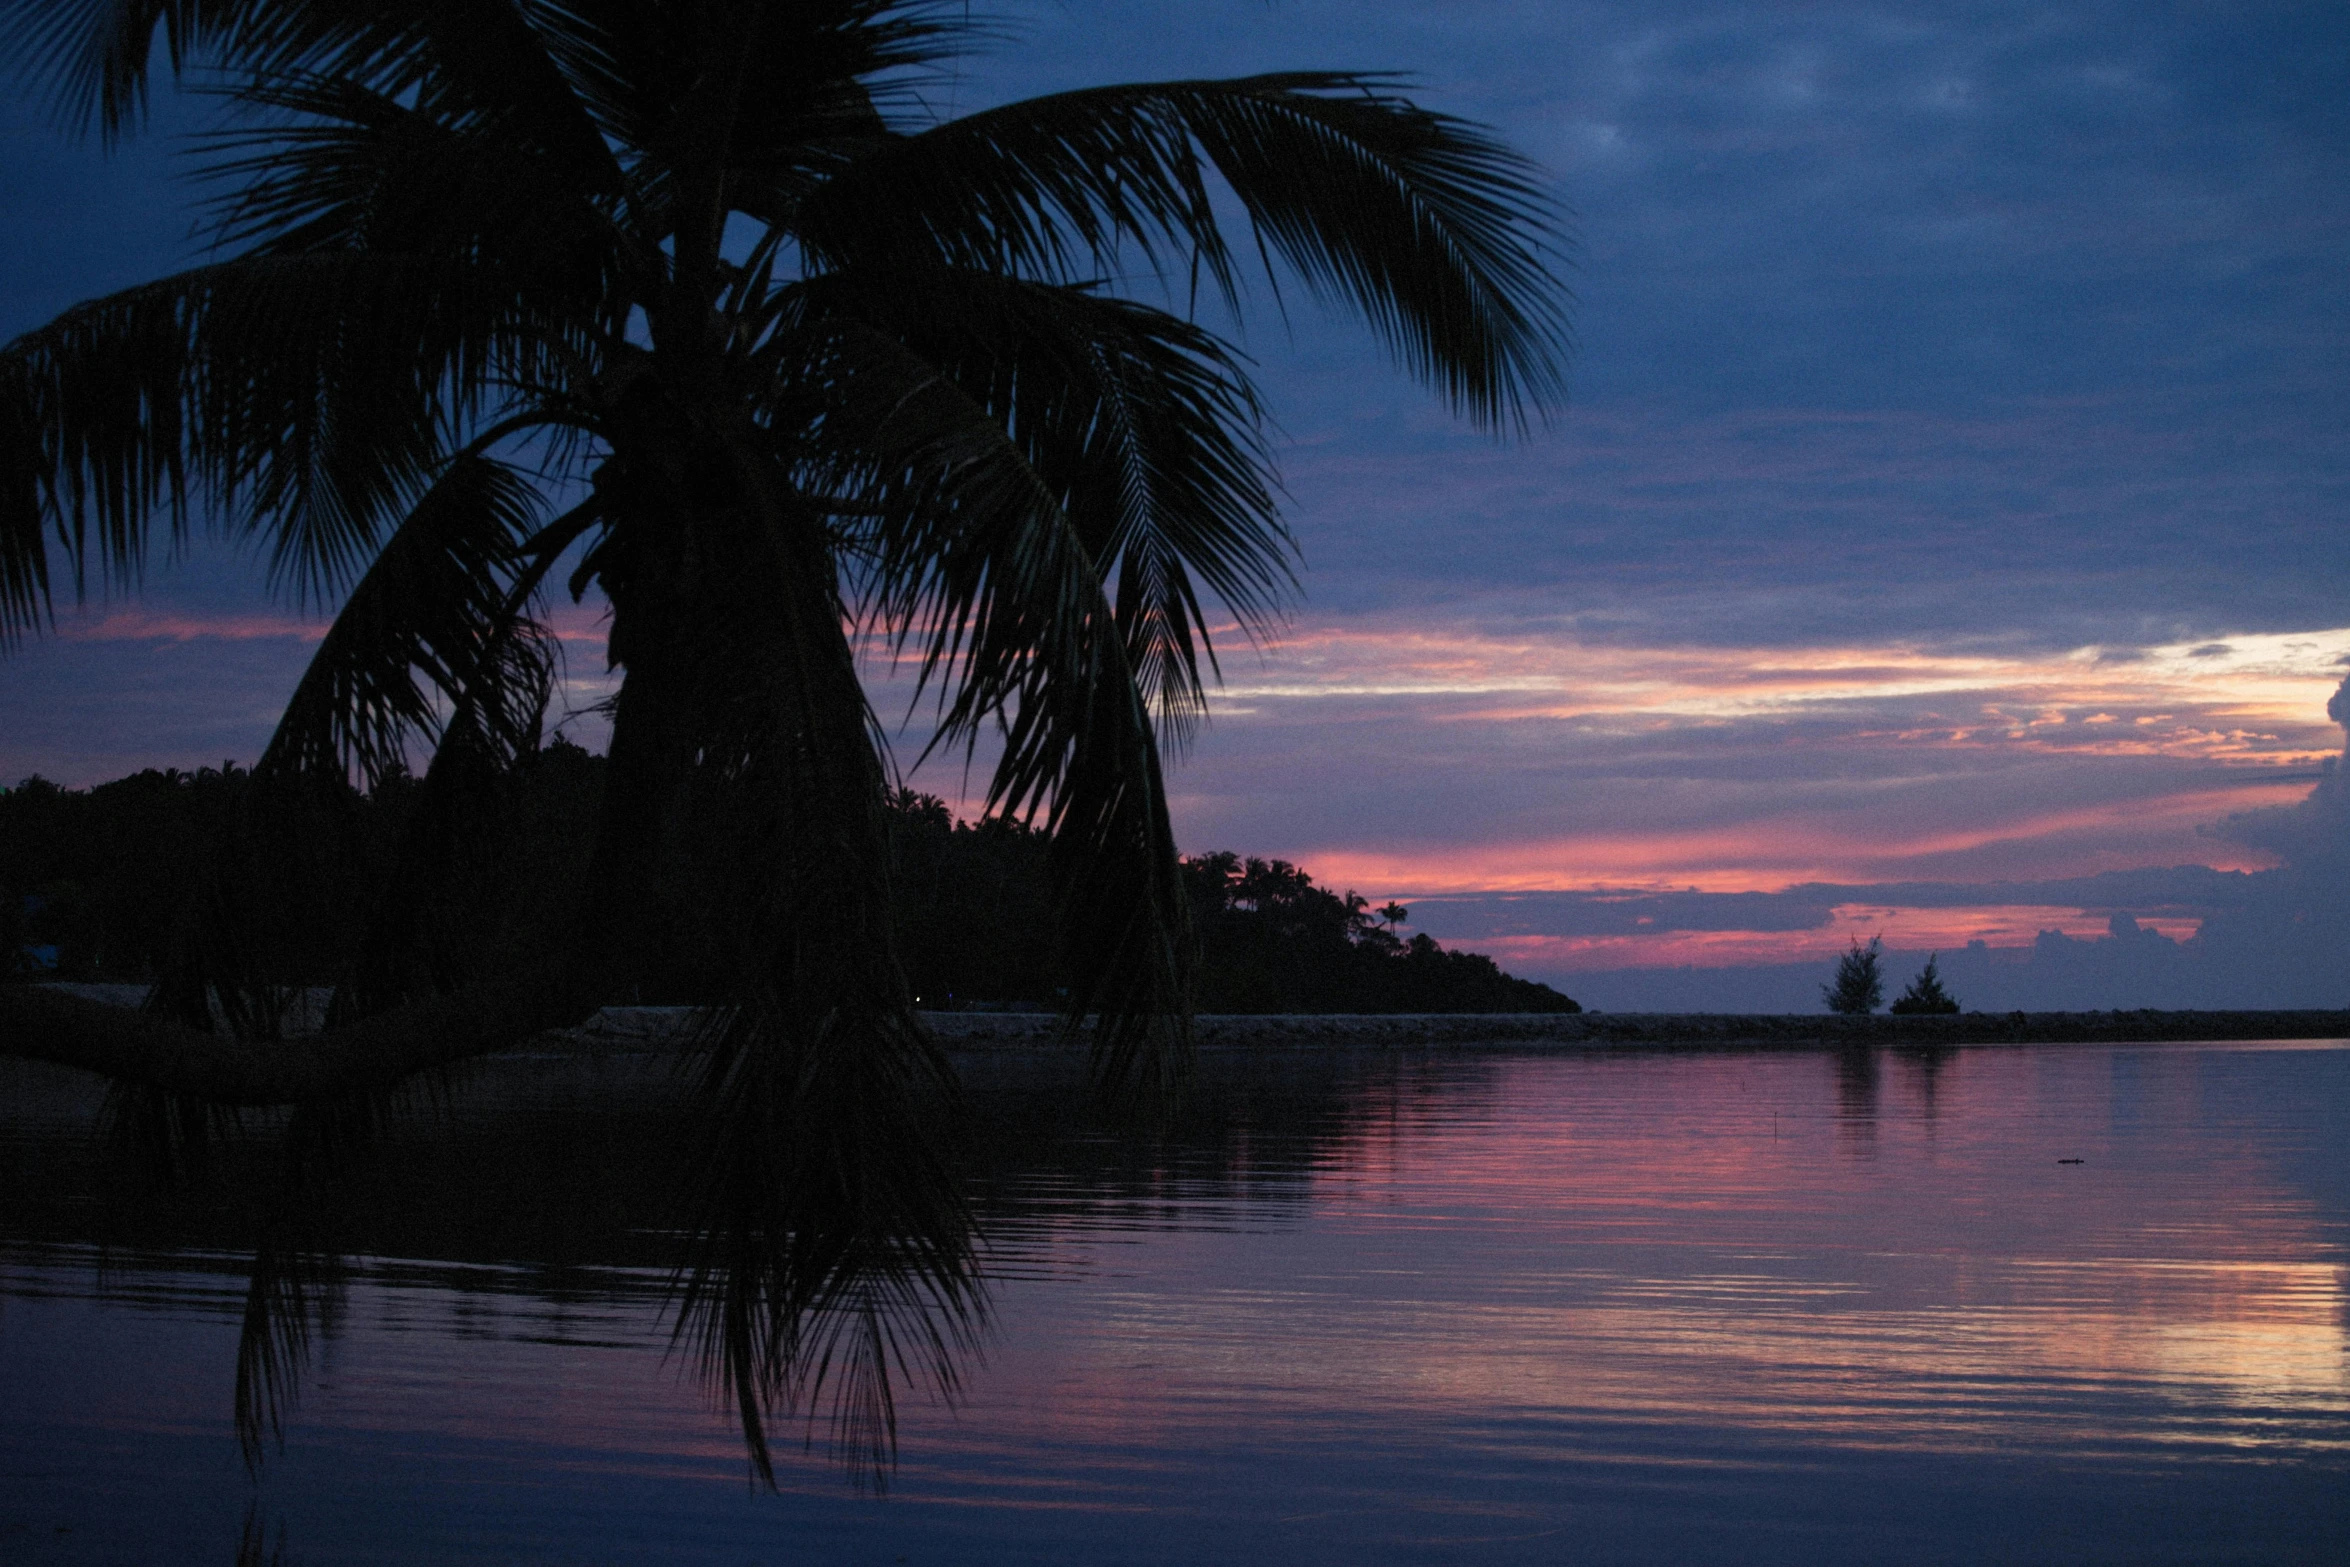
[{"x": 1375, "y": 1308}]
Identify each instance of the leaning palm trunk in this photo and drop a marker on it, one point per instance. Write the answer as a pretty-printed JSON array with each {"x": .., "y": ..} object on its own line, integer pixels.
[{"x": 697, "y": 305}]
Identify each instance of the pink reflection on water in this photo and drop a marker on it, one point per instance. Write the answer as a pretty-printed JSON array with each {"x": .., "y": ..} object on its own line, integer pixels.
[
  {"x": 1880, "y": 1254},
  {"x": 1461, "y": 1296}
]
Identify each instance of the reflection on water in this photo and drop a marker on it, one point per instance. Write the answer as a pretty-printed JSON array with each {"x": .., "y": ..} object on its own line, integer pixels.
[{"x": 1386, "y": 1307}]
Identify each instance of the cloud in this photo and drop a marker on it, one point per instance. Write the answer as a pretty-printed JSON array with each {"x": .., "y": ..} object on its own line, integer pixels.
[
  {"x": 2186, "y": 936},
  {"x": 2312, "y": 835},
  {"x": 2113, "y": 520},
  {"x": 1408, "y": 761},
  {"x": 164, "y": 625},
  {"x": 2174, "y": 891}
]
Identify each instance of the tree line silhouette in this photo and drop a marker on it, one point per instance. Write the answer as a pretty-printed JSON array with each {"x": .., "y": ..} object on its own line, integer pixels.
[
  {"x": 174, "y": 878},
  {"x": 1859, "y": 985}
]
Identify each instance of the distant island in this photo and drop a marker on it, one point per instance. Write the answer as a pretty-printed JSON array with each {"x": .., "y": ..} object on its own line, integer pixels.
[{"x": 112, "y": 884}]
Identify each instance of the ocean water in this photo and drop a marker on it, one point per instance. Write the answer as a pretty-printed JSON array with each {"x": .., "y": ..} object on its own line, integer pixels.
[{"x": 2064, "y": 1304}]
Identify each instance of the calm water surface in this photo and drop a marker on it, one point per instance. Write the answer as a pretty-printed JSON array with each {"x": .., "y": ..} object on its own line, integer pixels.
[{"x": 1378, "y": 1308}]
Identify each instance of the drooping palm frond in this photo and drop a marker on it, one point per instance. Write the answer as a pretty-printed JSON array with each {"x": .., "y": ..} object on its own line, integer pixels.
[
  {"x": 433, "y": 629},
  {"x": 97, "y": 53},
  {"x": 25, "y": 588},
  {"x": 968, "y": 551},
  {"x": 301, "y": 396},
  {"x": 162, "y": 1141},
  {"x": 833, "y": 1252},
  {"x": 289, "y": 1290},
  {"x": 96, "y": 438},
  {"x": 437, "y": 648},
  {"x": 1144, "y": 430},
  {"x": 1085, "y": 752},
  {"x": 1435, "y": 233}
]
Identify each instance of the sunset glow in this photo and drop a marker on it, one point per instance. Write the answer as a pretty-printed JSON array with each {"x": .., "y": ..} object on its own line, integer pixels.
[{"x": 2249, "y": 698}]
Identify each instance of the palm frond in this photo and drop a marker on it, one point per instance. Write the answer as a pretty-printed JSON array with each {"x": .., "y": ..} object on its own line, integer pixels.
[
  {"x": 326, "y": 163},
  {"x": 1083, "y": 750},
  {"x": 96, "y": 54},
  {"x": 1434, "y": 232},
  {"x": 827, "y": 86},
  {"x": 834, "y": 1256},
  {"x": 290, "y": 1292},
  {"x": 968, "y": 551},
  {"x": 97, "y": 435},
  {"x": 506, "y": 62},
  {"x": 432, "y": 630},
  {"x": 25, "y": 593},
  {"x": 305, "y": 397},
  {"x": 1143, "y": 428},
  {"x": 460, "y": 814},
  {"x": 164, "y": 1142}
]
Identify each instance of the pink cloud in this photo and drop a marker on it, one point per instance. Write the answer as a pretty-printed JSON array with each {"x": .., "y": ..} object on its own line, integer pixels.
[
  {"x": 1785, "y": 849},
  {"x": 139, "y": 625}
]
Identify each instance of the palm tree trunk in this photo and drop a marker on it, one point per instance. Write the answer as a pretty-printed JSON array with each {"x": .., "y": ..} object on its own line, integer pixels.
[
  {"x": 42, "y": 1024},
  {"x": 377, "y": 1052}
]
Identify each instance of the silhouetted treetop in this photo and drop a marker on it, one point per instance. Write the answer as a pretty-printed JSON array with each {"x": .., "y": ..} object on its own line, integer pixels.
[
  {"x": 1925, "y": 993},
  {"x": 1859, "y": 986}
]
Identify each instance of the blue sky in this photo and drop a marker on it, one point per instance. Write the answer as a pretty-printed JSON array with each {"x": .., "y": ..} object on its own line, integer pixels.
[{"x": 1953, "y": 492}]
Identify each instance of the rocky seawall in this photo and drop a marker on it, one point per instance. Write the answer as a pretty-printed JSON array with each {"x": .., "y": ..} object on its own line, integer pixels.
[{"x": 639, "y": 1028}]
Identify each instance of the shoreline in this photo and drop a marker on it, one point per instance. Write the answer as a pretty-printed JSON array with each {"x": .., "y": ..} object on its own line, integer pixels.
[{"x": 624, "y": 1030}]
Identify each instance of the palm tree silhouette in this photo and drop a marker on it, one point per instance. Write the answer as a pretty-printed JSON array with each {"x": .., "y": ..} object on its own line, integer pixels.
[{"x": 697, "y": 301}]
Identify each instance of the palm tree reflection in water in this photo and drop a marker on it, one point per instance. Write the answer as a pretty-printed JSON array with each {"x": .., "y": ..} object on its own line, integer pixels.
[
  {"x": 814, "y": 1283},
  {"x": 832, "y": 1305}
]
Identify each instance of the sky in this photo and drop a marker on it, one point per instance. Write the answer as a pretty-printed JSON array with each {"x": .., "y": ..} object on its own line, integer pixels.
[{"x": 1943, "y": 541}]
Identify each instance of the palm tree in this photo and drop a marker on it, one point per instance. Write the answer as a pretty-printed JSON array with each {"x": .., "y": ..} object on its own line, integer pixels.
[{"x": 693, "y": 297}]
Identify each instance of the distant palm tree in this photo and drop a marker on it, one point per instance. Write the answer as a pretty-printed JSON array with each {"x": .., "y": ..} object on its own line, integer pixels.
[{"x": 694, "y": 296}]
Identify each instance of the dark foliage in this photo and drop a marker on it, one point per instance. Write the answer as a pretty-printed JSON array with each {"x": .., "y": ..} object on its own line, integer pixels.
[
  {"x": 1925, "y": 994},
  {"x": 100, "y": 875},
  {"x": 974, "y": 909},
  {"x": 1859, "y": 987},
  {"x": 138, "y": 879},
  {"x": 104, "y": 870},
  {"x": 1272, "y": 941}
]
